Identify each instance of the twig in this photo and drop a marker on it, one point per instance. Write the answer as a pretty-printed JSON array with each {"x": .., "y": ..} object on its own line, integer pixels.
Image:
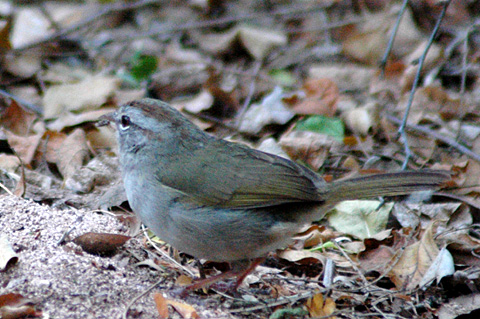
[
  {"x": 288, "y": 11},
  {"x": 464, "y": 70},
  {"x": 251, "y": 91},
  {"x": 360, "y": 274},
  {"x": 383, "y": 62},
  {"x": 32, "y": 107},
  {"x": 176, "y": 263},
  {"x": 125, "y": 313},
  {"x": 6, "y": 189},
  {"x": 275, "y": 303},
  {"x": 439, "y": 137},
  {"x": 401, "y": 130}
]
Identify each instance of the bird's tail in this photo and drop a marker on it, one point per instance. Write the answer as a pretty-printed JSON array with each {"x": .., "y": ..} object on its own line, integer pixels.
[{"x": 389, "y": 184}]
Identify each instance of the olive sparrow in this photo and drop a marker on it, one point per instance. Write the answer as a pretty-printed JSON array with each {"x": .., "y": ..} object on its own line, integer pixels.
[{"x": 223, "y": 201}]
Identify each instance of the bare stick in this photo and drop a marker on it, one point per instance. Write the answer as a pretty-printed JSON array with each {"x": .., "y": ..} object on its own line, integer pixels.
[
  {"x": 401, "y": 130},
  {"x": 383, "y": 62},
  {"x": 439, "y": 137}
]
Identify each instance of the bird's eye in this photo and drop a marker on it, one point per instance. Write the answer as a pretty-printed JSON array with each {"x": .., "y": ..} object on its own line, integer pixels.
[{"x": 124, "y": 122}]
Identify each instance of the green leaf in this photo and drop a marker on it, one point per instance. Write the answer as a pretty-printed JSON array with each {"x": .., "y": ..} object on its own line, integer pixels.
[
  {"x": 142, "y": 66},
  {"x": 284, "y": 78},
  {"x": 324, "y": 125}
]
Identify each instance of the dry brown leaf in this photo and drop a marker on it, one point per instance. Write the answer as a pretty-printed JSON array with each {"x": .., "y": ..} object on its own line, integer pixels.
[
  {"x": 319, "y": 307},
  {"x": 427, "y": 103},
  {"x": 259, "y": 41},
  {"x": 176, "y": 53},
  {"x": 16, "y": 119},
  {"x": 321, "y": 98},
  {"x": 101, "y": 244},
  {"x": 313, "y": 236},
  {"x": 21, "y": 186},
  {"x": 465, "y": 249},
  {"x": 271, "y": 110},
  {"x": 185, "y": 310},
  {"x": 29, "y": 25},
  {"x": 72, "y": 154},
  {"x": 414, "y": 261},
  {"x": 9, "y": 163},
  {"x": 161, "y": 305},
  {"x": 360, "y": 218},
  {"x": 25, "y": 147},
  {"x": 376, "y": 259},
  {"x": 201, "y": 102},
  {"x": 426, "y": 14}
]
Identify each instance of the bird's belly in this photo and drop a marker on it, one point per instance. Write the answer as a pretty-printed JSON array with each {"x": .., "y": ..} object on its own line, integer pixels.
[{"x": 215, "y": 234}]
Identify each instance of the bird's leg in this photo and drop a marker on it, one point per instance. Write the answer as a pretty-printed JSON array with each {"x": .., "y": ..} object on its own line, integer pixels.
[{"x": 240, "y": 269}]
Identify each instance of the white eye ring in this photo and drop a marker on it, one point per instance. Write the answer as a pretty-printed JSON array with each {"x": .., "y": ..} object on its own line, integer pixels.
[{"x": 124, "y": 122}]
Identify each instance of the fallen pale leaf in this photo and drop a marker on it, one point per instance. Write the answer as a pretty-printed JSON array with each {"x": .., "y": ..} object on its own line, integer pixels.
[
  {"x": 185, "y": 310},
  {"x": 7, "y": 255},
  {"x": 270, "y": 111},
  {"x": 88, "y": 94},
  {"x": 360, "y": 218},
  {"x": 72, "y": 154},
  {"x": 161, "y": 304},
  {"x": 24, "y": 146}
]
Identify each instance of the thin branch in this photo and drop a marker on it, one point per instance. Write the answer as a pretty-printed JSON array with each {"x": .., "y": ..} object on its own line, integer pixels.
[
  {"x": 251, "y": 92},
  {"x": 383, "y": 62},
  {"x": 223, "y": 21},
  {"x": 401, "y": 130},
  {"x": 277, "y": 302},
  {"x": 29, "y": 106},
  {"x": 125, "y": 313},
  {"x": 416, "y": 128}
]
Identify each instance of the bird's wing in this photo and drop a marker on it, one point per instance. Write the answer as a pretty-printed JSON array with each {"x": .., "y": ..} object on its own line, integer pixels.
[{"x": 228, "y": 175}]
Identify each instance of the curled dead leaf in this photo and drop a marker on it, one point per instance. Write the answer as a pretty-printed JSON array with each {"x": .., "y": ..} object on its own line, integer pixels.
[
  {"x": 16, "y": 119},
  {"x": 185, "y": 310},
  {"x": 13, "y": 306},
  {"x": 161, "y": 305},
  {"x": 71, "y": 156},
  {"x": 321, "y": 98},
  {"x": 7, "y": 255},
  {"x": 318, "y": 306},
  {"x": 100, "y": 243}
]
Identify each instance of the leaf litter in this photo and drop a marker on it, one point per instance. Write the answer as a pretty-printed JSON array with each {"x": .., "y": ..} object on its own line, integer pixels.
[{"x": 256, "y": 72}]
